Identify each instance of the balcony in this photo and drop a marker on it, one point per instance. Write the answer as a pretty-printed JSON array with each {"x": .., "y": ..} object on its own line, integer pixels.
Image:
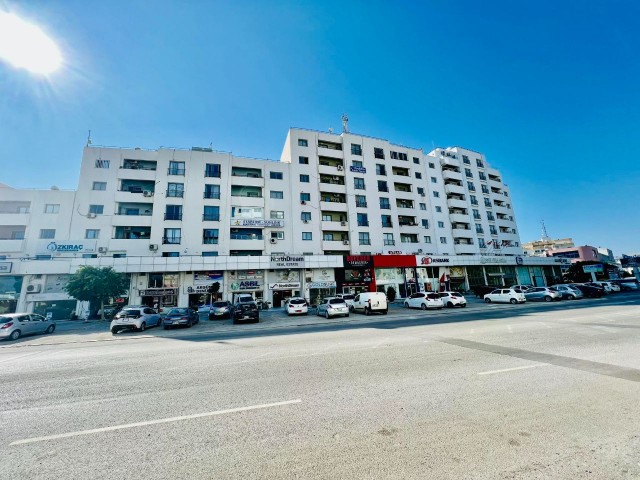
[
  {"x": 455, "y": 203},
  {"x": 404, "y": 204},
  {"x": 453, "y": 189},
  {"x": 11, "y": 245},
  {"x": 459, "y": 217},
  {"x": 17, "y": 218},
  {"x": 462, "y": 232},
  {"x": 401, "y": 172},
  {"x": 330, "y": 168},
  {"x": 450, "y": 163},
  {"x": 334, "y": 206},
  {"x": 464, "y": 249},
  {"x": 171, "y": 240},
  {"x": 143, "y": 220},
  {"x": 246, "y": 172},
  {"x": 451, "y": 175},
  {"x": 246, "y": 242},
  {"x": 330, "y": 149},
  {"x": 333, "y": 225},
  {"x": 336, "y": 245},
  {"x": 333, "y": 187}
]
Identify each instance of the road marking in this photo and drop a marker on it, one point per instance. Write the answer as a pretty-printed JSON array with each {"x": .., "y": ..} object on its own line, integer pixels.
[
  {"x": 491, "y": 372},
  {"x": 153, "y": 422}
]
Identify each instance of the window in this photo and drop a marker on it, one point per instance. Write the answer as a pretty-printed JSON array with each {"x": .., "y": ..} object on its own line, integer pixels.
[
  {"x": 425, "y": 223},
  {"x": 177, "y": 190},
  {"x": 481, "y": 243},
  {"x": 363, "y": 238},
  {"x": 277, "y": 214},
  {"x": 305, "y": 216},
  {"x": 357, "y": 164},
  {"x": 384, "y": 203},
  {"x": 212, "y": 170},
  {"x": 91, "y": 233},
  {"x": 52, "y": 208},
  {"x": 482, "y": 176},
  {"x": 176, "y": 168},
  {"x": 378, "y": 153},
  {"x": 416, "y": 160},
  {"x": 427, "y": 239},
  {"x": 434, "y": 180},
  {"x": 276, "y": 175},
  {"x": 305, "y": 197},
  {"x": 276, "y": 194},
  {"x": 307, "y": 236},
  {"x": 436, "y": 194},
  {"x": 471, "y": 186},
  {"x": 476, "y": 214},
  {"x": 48, "y": 233},
  {"x": 363, "y": 220},
  {"x": 103, "y": 163},
  {"x": 479, "y": 163},
  {"x": 484, "y": 189},
  {"x": 173, "y": 212},
  {"x": 399, "y": 156},
  {"x": 493, "y": 230},
  {"x": 382, "y": 186},
  {"x": 303, "y": 160},
  {"x": 432, "y": 165},
  {"x": 356, "y": 149},
  {"x": 393, "y": 155},
  {"x": 443, "y": 239},
  {"x": 210, "y": 191},
  {"x": 96, "y": 209},
  {"x": 380, "y": 169},
  {"x": 210, "y": 236},
  {"x": 490, "y": 216},
  {"x": 386, "y": 221},
  {"x": 361, "y": 201},
  {"x": 279, "y": 235},
  {"x": 172, "y": 236},
  {"x": 304, "y": 178},
  {"x": 423, "y": 206},
  {"x": 99, "y": 186},
  {"x": 440, "y": 224},
  {"x": 479, "y": 228},
  {"x": 467, "y": 172},
  {"x": 302, "y": 142},
  {"x": 388, "y": 239},
  {"x": 170, "y": 254},
  {"x": 473, "y": 200},
  {"x": 420, "y": 191},
  {"x": 466, "y": 160},
  {"x": 211, "y": 214},
  {"x": 418, "y": 175},
  {"x": 358, "y": 183},
  {"x": 487, "y": 202}
]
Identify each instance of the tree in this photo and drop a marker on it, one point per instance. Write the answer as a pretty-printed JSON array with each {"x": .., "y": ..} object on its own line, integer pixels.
[
  {"x": 213, "y": 290},
  {"x": 97, "y": 285},
  {"x": 391, "y": 294}
]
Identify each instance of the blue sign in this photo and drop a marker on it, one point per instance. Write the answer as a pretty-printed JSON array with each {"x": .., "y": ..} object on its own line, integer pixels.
[{"x": 358, "y": 169}]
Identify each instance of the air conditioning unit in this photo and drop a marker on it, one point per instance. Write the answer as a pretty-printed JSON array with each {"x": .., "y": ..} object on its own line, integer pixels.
[
  {"x": 147, "y": 193},
  {"x": 345, "y": 242},
  {"x": 102, "y": 249},
  {"x": 273, "y": 241},
  {"x": 344, "y": 224},
  {"x": 340, "y": 167},
  {"x": 34, "y": 288},
  {"x": 153, "y": 247},
  {"x": 302, "y": 202},
  {"x": 91, "y": 215}
]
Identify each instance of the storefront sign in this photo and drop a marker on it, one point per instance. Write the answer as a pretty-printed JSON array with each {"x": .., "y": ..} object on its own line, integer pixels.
[
  {"x": 284, "y": 285},
  {"x": 493, "y": 260},
  {"x": 5, "y": 267},
  {"x": 207, "y": 278},
  {"x": 433, "y": 260},
  {"x": 321, "y": 285},
  {"x": 246, "y": 285},
  {"x": 357, "y": 169},
  {"x": 393, "y": 252},
  {"x": 286, "y": 261},
  {"x": 201, "y": 289},
  {"x": 158, "y": 292},
  {"x": 246, "y": 222},
  {"x": 597, "y": 268},
  {"x": 70, "y": 246},
  {"x": 358, "y": 261}
]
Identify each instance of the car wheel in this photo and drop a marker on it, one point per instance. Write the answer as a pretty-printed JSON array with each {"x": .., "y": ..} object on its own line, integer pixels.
[
  {"x": 463, "y": 305},
  {"x": 143, "y": 326},
  {"x": 326, "y": 314},
  {"x": 513, "y": 301},
  {"x": 15, "y": 335},
  {"x": 423, "y": 306},
  {"x": 114, "y": 331},
  {"x": 571, "y": 297},
  {"x": 449, "y": 305},
  {"x": 347, "y": 315},
  {"x": 487, "y": 300},
  {"x": 547, "y": 298},
  {"x": 384, "y": 312},
  {"x": 51, "y": 329},
  {"x": 406, "y": 305}
]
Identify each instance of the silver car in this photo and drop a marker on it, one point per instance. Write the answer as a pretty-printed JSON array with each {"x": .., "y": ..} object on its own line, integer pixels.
[
  {"x": 568, "y": 292},
  {"x": 547, "y": 294},
  {"x": 332, "y": 307},
  {"x": 135, "y": 318},
  {"x": 15, "y": 325}
]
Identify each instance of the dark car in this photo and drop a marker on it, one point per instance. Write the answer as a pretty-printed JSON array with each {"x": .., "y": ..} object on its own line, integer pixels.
[
  {"x": 589, "y": 291},
  {"x": 245, "y": 311},
  {"x": 481, "y": 290},
  {"x": 180, "y": 317},
  {"x": 221, "y": 309}
]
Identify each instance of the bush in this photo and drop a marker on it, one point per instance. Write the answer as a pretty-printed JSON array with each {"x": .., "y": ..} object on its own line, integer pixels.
[{"x": 391, "y": 294}]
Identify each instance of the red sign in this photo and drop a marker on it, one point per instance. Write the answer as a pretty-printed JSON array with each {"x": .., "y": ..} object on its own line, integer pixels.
[{"x": 394, "y": 261}]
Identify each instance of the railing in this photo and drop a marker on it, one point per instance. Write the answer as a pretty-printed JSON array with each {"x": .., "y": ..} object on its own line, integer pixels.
[
  {"x": 210, "y": 218},
  {"x": 249, "y": 194},
  {"x": 175, "y": 171},
  {"x": 385, "y": 206},
  {"x": 138, "y": 214},
  {"x": 173, "y": 216},
  {"x": 171, "y": 240},
  {"x": 212, "y": 174},
  {"x": 249, "y": 174},
  {"x": 364, "y": 242},
  {"x": 363, "y": 223},
  {"x": 138, "y": 167},
  {"x": 210, "y": 240},
  {"x": 361, "y": 204},
  {"x": 246, "y": 237},
  {"x": 387, "y": 224},
  {"x": 389, "y": 242},
  {"x": 383, "y": 189},
  {"x": 210, "y": 195},
  {"x": 175, "y": 193},
  {"x": 404, "y": 205}
]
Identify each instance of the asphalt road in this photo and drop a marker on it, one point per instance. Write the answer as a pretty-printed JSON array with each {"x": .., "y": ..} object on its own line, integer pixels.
[{"x": 527, "y": 391}]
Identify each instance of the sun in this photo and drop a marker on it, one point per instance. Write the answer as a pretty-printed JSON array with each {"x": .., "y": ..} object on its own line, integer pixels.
[{"x": 25, "y": 45}]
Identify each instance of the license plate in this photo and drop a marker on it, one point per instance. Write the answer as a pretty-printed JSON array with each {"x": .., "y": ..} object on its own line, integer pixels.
[{"x": 298, "y": 311}]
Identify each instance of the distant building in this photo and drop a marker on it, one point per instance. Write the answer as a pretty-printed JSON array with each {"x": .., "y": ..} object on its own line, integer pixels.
[{"x": 539, "y": 248}]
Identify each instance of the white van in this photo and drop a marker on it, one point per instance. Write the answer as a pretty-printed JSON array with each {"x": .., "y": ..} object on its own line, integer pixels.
[{"x": 368, "y": 302}]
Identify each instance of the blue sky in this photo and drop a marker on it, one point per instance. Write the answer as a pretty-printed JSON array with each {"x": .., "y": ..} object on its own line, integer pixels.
[{"x": 547, "y": 90}]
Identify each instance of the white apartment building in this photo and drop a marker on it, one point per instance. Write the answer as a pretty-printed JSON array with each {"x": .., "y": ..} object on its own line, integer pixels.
[{"x": 338, "y": 212}]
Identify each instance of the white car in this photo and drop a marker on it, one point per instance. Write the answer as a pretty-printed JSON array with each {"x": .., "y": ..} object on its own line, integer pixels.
[
  {"x": 608, "y": 286},
  {"x": 424, "y": 300},
  {"x": 347, "y": 297},
  {"x": 135, "y": 318},
  {"x": 453, "y": 299},
  {"x": 297, "y": 306},
  {"x": 505, "y": 295},
  {"x": 332, "y": 307}
]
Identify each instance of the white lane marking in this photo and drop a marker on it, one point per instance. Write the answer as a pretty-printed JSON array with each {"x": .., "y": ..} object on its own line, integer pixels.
[
  {"x": 491, "y": 372},
  {"x": 153, "y": 422},
  {"x": 32, "y": 354}
]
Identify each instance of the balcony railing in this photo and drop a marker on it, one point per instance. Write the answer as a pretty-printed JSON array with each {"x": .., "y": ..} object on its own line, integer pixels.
[
  {"x": 248, "y": 194},
  {"x": 385, "y": 206},
  {"x": 175, "y": 171},
  {"x": 171, "y": 240},
  {"x": 210, "y": 240},
  {"x": 363, "y": 223},
  {"x": 137, "y": 213},
  {"x": 361, "y": 204},
  {"x": 235, "y": 236},
  {"x": 383, "y": 189},
  {"x": 387, "y": 224},
  {"x": 175, "y": 193},
  {"x": 210, "y": 218},
  {"x": 364, "y": 241},
  {"x": 212, "y": 195},
  {"x": 173, "y": 216},
  {"x": 246, "y": 174}
]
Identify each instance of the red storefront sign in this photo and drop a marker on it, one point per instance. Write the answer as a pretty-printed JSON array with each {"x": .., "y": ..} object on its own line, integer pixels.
[{"x": 390, "y": 261}]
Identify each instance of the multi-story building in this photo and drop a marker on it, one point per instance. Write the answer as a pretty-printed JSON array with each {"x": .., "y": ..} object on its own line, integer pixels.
[
  {"x": 539, "y": 248},
  {"x": 337, "y": 213}
]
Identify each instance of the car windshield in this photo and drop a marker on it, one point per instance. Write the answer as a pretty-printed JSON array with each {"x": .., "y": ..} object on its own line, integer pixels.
[
  {"x": 220, "y": 304},
  {"x": 178, "y": 311},
  {"x": 337, "y": 301}
]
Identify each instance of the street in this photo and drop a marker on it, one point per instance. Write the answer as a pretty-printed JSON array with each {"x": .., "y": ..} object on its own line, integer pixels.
[{"x": 545, "y": 390}]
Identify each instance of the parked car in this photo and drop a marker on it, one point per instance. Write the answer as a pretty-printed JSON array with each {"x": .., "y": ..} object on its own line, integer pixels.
[
  {"x": 628, "y": 286},
  {"x": 332, "y": 307},
  {"x": 607, "y": 286},
  {"x": 505, "y": 295},
  {"x": 297, "y": 306},
  {"x": 546, "y": 294},
  {"x": 522, "y": 288},
  {"x": 245, "y": 310},
  {"x": 589, "y": 291},
  {"x": 424, "y": 300},
  {"x": 221, "y": 309},
  {"x": 453, "y": 299},
  {"x": 481, "y": 290},
  {"x": 15, "y": 325},
  {"x": 568, "y": 292},
  {"x": 347, "y": 297},
  {"x": 135, "y": 318},
  {"x": 181, "y": 317},
  {"x": 370, "y": 302}
]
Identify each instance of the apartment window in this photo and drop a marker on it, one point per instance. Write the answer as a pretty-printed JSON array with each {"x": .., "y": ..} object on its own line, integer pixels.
[
  {"x": 173, "y": 212},
  {"x": 361, "y": 201},
  {"x": 305, "y": 216},
  {"x": 363, "y": 220},
  {"x": 99, "y": 186},
  {"x": 172, "y": 236},
  {"x": 177, "y": 190},
  {"x": 303, "y": 160},
  {"x": 382, "y": 186},
  {"x": 393, "y": 155},
  {"x": 277, "y": 235},
  {"x": 465, "y": 160},
  {"x": 493, "y": 230},
  {"x": 276, "y": 175},
  {"x": 473, "y": 200},
  {"x": 436, "y": 194},
  {"x": 420, "y": 191},
  {"x": 212, "y": 170},
  {"x": 476, "y": 214},
  {"x": 276, "y": 194},
  {"x": 210, "y": 236},
  {"x": 307, "y": 236},
  {"x": 302, "y": 142},
  {"x": 471, "y": 186},
  {"x": 490, "y": 216},
  {"x": 357, "y": 164},
  {"x": 386, "y": 221},
  {"x": 305, "y": 197},
  {"x": 176, "y": 168},
  {"x": 423, "y": 206},
  {"x": 440, "y": 224},
  {"x": 277, "y": 214},
  {"x": 427, "y": 239},
  {"x": 378, "y": 153},
  {"x": 484, "y": 188},
  {"x": 52, "y": 208},
  {"x": 425, "y": 223},
  {"x": 434, "y": 180},
  {"x": 432, "y": 165},
  {"x": 304, "y": 178},
  {"x": 487, "y": 202},
  {"x": 380, "y": 169},
  {"x": 481, "y": 243},
  {"x": 91, "y": 234},
  {"x": 209, "y": 254},
  {"x": 48, "y": 233},
  {"x": 211, "y": 213},
  {"x": 416, "y": 160},
  {"x": 356, "y": 149},
  {"x": 363, "y": 238},
  {"x": 210, "y": 191},
  {"x": 443, "y": 239},
  {"x": 479, "y": 228},
  {"x": 388, "y": 239},
  {"x": 358, "y": 183},
  {"x": 384, "y": 203},
  {"x": 103, "y": 163},
  {"x": 467, "y": 172},
  {"x": 96, "y": 209},
  {"x": 482, "y": 176},
  {"x": 479, "y": 163},
  {"x": 170, "y": 254}
]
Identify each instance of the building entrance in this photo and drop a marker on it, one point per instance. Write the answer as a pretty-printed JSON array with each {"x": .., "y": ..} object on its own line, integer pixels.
[{"x": 279, "y": 296}]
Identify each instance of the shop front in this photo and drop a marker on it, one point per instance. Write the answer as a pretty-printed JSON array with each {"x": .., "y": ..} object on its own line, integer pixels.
[
  {"x": 10, "y": 287},
  {"x": 356, "y": 276},
  {"x": 397, "y": 272},
  {"x": 284, "y": 278},
  {"x": 436, "y": 273},
  {"x": 197, "y": 287},
  {"x": 246, "y": 281},
  {"x": 159, "y": 298}
]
